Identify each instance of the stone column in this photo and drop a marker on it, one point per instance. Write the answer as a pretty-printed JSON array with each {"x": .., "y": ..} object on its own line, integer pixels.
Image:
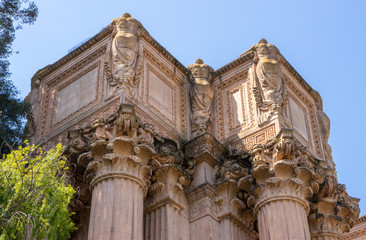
[
  {"x": 235, "y": 218},
  {"x": 205, "y": 151},
  {"x": 118, "y": 171},
  {"x": 285, "y": 179},
  {"x": 166, "y": 207}
]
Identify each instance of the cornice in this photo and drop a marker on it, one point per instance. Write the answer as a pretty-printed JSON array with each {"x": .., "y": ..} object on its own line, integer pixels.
[
  {"x": 243, "y": 58},
  {"x": 249, "y": 54},
  {"x": 361, "y": 219},
  {"x": 40, "y": 74}
]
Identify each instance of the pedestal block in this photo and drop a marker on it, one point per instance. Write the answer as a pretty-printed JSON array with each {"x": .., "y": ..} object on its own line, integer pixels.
[{"x": 205, "y": 152}]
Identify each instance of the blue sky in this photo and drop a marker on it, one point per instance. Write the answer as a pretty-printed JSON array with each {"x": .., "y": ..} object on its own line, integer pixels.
[{"x": 322, "y": 39}]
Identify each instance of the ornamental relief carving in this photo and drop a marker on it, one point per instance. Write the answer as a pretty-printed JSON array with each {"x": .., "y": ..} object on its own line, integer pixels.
[
  {"x": 225, "y": 103},
  {"x": 258, "y": 137},
  {"x": 177, "y": 81},
  {"x": 312, "y": 115},
  {"x": 51, "y": 86},
  {"x": 158, "y": 128}
]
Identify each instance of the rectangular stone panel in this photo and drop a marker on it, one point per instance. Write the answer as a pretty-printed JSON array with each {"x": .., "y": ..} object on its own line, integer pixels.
[
  {"x": 160, "y": 95},
  {"x": 237, "y": 109},
  {"x": 76, "y": 95},
  {"x": 298, "y": 117}
]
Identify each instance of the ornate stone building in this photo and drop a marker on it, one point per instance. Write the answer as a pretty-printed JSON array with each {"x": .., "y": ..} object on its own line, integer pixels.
[{"x": 164, "y": 151}]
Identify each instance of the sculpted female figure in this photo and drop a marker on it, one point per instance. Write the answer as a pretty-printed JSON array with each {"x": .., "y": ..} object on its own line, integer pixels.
[
  {"x": 201, "y": 96},
  {"x": 125, "y": 47},
  {"x": 269, "y": 74}
]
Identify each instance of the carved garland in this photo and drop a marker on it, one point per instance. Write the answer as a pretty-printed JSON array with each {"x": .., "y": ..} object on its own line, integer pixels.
[
  {"x": 182, "y": 87},
  {"x": 57, "y": 79}
]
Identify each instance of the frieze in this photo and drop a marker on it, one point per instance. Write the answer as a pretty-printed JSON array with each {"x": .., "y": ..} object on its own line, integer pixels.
[
  {"x": 204, "y": 145},
  {"x": 104, "y": 113},
  {"x": 258, "y": 137}
]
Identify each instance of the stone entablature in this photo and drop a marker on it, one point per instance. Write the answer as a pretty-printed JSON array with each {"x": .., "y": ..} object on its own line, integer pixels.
[{"x": 190, "y": 152}]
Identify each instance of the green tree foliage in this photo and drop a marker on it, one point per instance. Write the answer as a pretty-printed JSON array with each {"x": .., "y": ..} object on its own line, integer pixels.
[
  {"x": 34, "y": 197},
  {"x": 13, "y": 15}
]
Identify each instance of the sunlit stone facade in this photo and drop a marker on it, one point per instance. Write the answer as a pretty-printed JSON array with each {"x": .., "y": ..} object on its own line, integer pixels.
[{"x": 164, "y": 151}]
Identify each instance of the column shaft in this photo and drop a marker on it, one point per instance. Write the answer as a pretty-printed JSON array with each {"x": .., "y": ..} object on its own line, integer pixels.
[
  {"x": 116, "y": 210},
  {"x": 283, "y": 219}
]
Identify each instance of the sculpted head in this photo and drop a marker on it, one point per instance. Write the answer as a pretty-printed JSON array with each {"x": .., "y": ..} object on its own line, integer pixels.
[{"x": 201, "y": 70}]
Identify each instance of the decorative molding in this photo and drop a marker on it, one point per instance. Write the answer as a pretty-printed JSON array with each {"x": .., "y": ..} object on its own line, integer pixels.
[
  {"x": 312, "y": 115},
  {"x": 183, "y": 102},
  {"x": 98, "y": 96},
  {"x": 253, "y": 139},
  {"x": 49, "y": 94},
  {"x": 221, "y": 91}
]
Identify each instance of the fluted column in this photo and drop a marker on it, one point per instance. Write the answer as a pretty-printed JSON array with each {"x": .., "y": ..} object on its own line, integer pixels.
[
  {"x": 166, "y": 207},
  {"x": 281, "y": 214},
  {"x": 283, "y": 178},
  {"x": 117, "y": 168}
]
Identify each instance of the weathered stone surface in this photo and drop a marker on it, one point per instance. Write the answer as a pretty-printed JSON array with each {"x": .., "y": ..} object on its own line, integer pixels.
[{"x": 161, "y": 151}]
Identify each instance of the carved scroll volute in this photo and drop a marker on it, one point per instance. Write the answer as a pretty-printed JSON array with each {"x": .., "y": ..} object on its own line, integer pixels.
[
  {"x": 201, "y": 95},
  {"x": 123, "y": 57}
]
